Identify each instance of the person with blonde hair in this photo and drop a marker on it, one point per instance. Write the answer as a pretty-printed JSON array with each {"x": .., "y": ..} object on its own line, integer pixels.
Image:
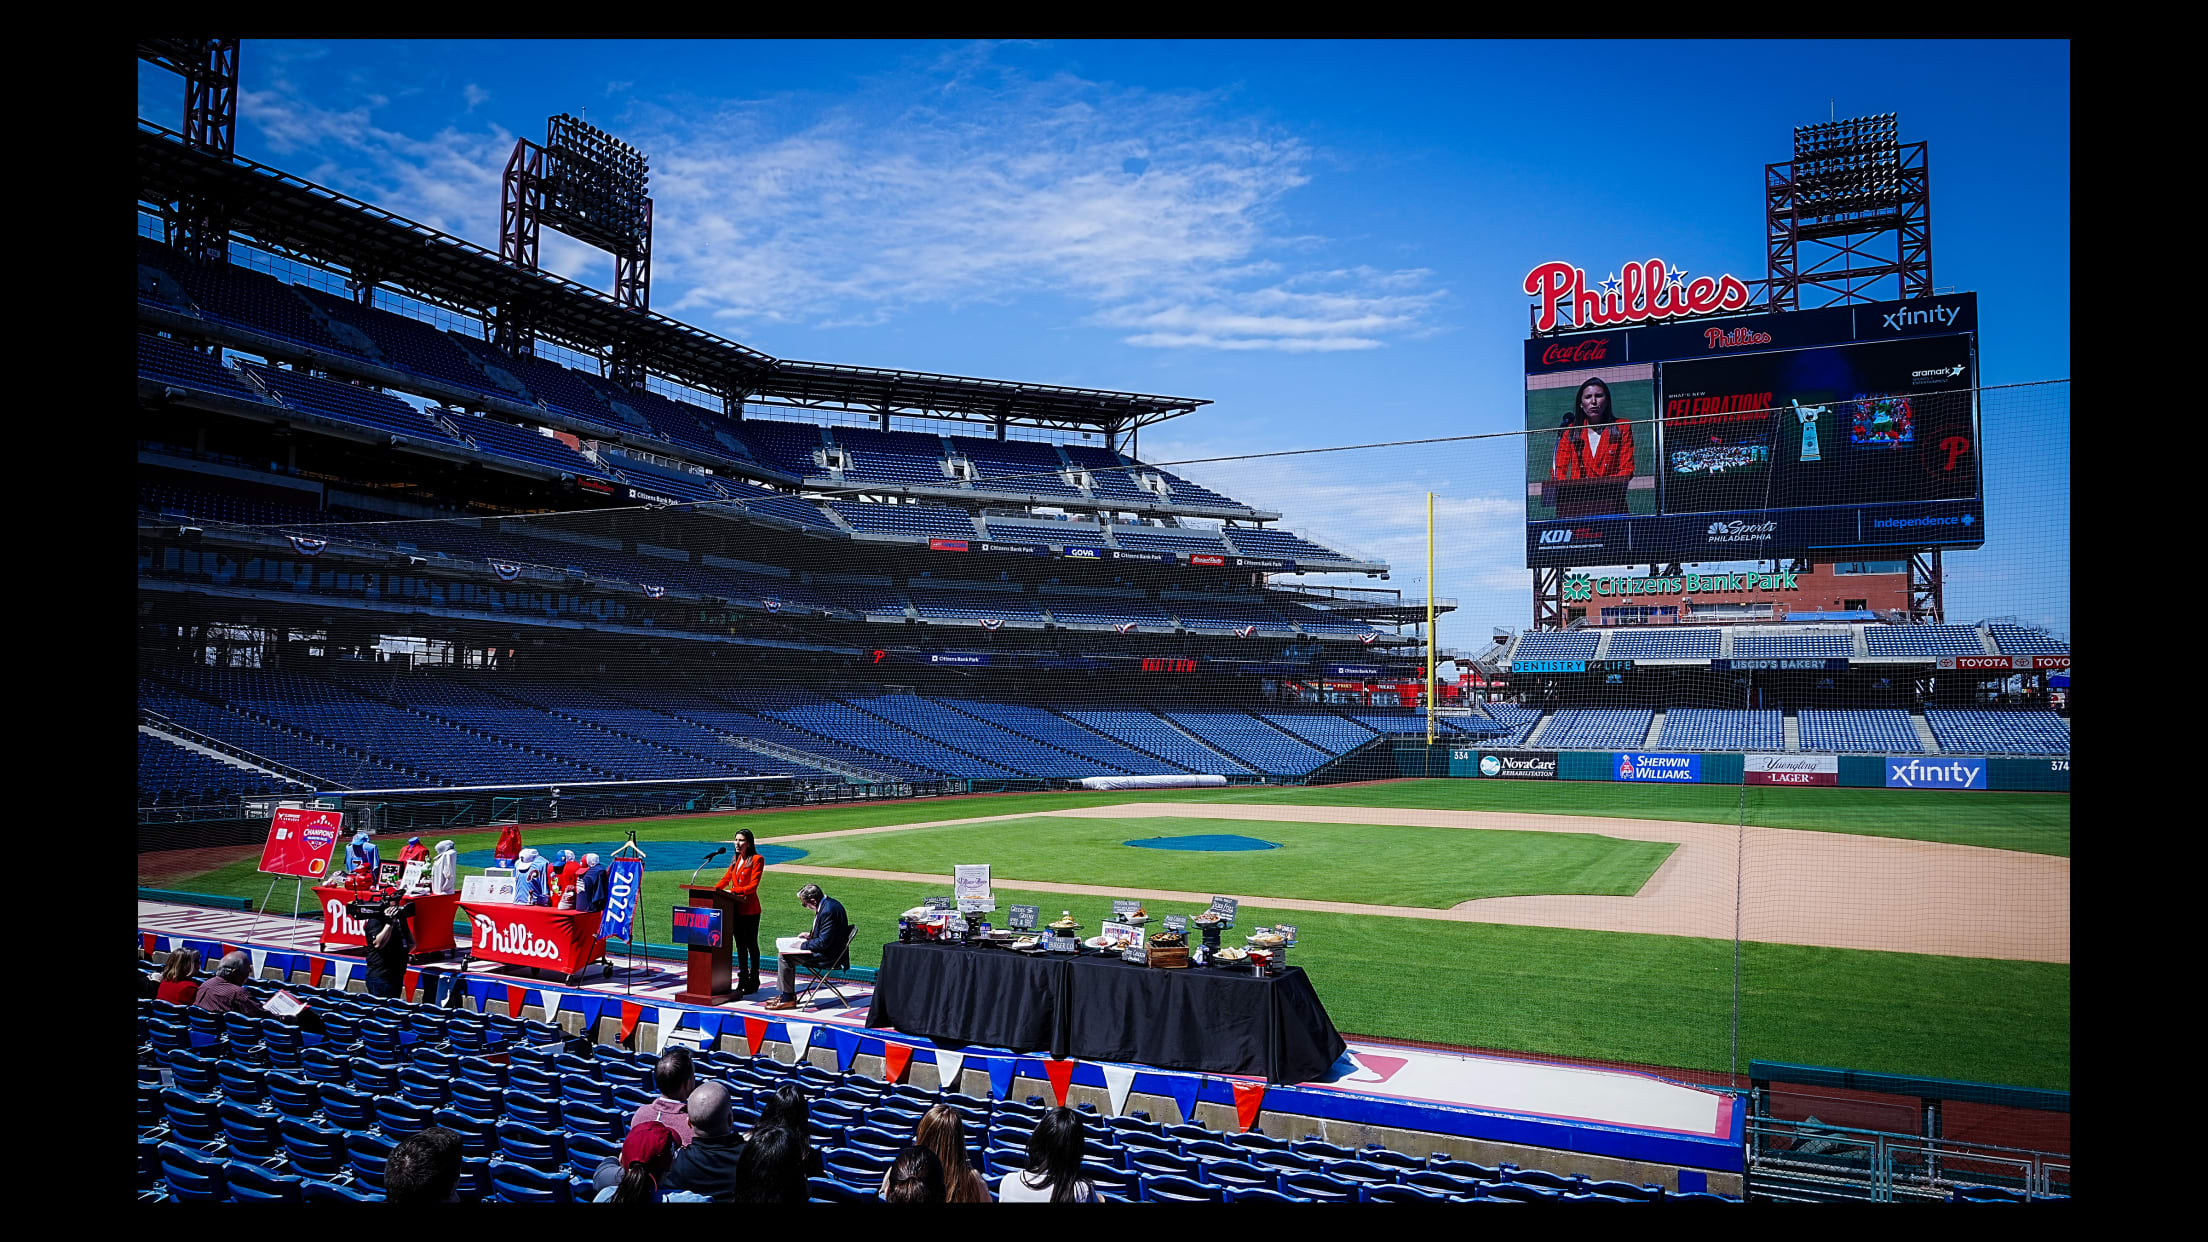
[{"x": 179, "y": 986}]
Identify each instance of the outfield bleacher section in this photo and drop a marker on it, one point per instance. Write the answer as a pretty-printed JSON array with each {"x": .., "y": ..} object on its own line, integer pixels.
[
  {"x": 2000, "y": 732},
  {"x": 1695, "y": 643},
  {"x": 1922, "y": 640},
  {"x": 1547, "y": 645},
  {"x": 1858, "y": 732},
  {"x": 1597, "y": 729},
  {"x": 1691, "y": 728}
]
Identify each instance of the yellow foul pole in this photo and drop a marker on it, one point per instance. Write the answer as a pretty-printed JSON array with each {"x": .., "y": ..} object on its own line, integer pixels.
[{"x": 1429, "y": 620}]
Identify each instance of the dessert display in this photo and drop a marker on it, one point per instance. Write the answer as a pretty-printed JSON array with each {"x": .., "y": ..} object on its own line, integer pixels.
[
  {"x": 1231, "y": 955},
  {"x": 1024, "y": 943}
]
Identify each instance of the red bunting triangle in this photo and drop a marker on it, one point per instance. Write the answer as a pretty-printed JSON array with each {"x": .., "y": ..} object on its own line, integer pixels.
[
  {"x": 413, "y": 980},
  {"x": 1247, "y": 1097},
  {"x": 755, "y": 1033},
  {"x": 894, "y": 1059},
  {"x": 315, "y": 967},
  {"x": 514, "y": 994},
  {"x": 1061, "y": 1077},
  {"x": 229, "y": 949},
  {"x": 631, "y": 1014},
  {"x": 145, "y": 940}
]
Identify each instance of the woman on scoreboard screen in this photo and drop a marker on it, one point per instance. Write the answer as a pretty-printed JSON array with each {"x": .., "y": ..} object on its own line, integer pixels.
[{"x": 1591, "y": 443}]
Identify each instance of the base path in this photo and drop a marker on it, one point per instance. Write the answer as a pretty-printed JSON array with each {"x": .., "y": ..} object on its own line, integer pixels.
[{"x": 1829, "y": 889}]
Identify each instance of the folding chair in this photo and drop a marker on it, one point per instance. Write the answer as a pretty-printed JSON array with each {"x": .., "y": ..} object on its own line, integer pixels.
[{"x": 821, "y": 967}]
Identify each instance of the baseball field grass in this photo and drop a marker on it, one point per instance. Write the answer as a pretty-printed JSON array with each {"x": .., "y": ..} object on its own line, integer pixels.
[{"x": 1648, "y": 999}]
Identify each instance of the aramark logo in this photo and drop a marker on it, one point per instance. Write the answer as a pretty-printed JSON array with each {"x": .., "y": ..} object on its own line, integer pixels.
[
  {"x": 1938, "y": 373},
  {"x": 1742, "y": 532},
  {"x": 1943, "y": 316}
]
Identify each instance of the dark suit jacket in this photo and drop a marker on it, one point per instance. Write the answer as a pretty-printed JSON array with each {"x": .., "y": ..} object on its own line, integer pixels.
[{"x": 831, "y": 928}]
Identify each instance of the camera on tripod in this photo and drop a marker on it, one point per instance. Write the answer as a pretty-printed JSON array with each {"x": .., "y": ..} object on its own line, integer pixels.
[{"x": 374, "y": 906}]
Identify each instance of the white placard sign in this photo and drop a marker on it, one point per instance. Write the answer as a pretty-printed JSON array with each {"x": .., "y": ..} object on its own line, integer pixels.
[
  {"x": 488, "y": 889},
  {"x": 970, "y": 881}
]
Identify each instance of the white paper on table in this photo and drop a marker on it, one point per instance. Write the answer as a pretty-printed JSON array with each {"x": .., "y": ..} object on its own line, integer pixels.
[{"x": 284, "y": 1004}]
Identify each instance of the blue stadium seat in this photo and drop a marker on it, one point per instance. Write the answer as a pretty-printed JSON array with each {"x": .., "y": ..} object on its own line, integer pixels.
[
  {"x": 525, "y": 1106},
  {"x": 312, "y": 1150},
  {"x": 1181, "y": 1190},
  {"x": 585, "y": 1152},
  {"x": 591, "y": 1119},
  {"x": 478, "y": 1133},
  {"x": 829, "y": 1190},
  {"x": 346, "y": 1108},
  {"x": 1622, "y": 1190},
  {"x": 1442, "y": 1183},
  {"x": 1398, "y": 1194},
  {"x": 332, "y": 1192},
  {"x": 1146, "y": 1160},
  {"x": 1210, "y": 1149},
  {"x": 192, "y": 1176},
  {"x": 1545, "y": 1180},
  {"x": 857, "y": 1166},
  {"x": 367, "y": 1153},
  {"x": 250, "y": 1183},
  {"x": 191, "y": 1116},
  {"x": 1363, "y": 1172},
  {"x": 1238, "y": 1194},
  {"x": 248, "y": 1132},
  {"x": 195, "y": 1073},
  {"x": 543, "y": 1149},
  {"x": 518, "y": 1182},
  {"x": 1320, "y": 1187},
  {"x": 399, "y": 1116},
  {"x": 1239, "y": 1173}
]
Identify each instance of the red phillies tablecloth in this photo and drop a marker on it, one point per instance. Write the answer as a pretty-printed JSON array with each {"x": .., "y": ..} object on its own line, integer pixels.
[
  {"x": 561, "y": 940},
  {"x": 432, "y": 919}
]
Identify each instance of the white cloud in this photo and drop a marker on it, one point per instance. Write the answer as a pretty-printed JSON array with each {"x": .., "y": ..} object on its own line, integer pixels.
[
  {"x": 1161, "y": 216},
  {"x": 476, "y": 96}
]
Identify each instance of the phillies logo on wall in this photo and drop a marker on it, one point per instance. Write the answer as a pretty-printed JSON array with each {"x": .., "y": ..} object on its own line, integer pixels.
[
  {"x": 516, "y": 939},
  {"x": 1594, "y": 349},
  {"x": 338, "y": 921},
  {"x": 1644, "y": 292}
]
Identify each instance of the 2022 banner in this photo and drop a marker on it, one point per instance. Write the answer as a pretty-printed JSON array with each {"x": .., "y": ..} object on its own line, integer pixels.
[{"x": 624, "y": 883}]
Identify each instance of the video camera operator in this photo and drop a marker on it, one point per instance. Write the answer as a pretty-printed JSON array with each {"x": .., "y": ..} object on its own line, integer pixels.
[{"x": 385, "y": 922}]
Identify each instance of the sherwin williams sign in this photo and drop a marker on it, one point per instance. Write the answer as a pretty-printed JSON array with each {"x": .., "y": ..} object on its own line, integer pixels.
[
  {"x": 1935, "y": 774},
  {"x": 1684, "y": 769}
]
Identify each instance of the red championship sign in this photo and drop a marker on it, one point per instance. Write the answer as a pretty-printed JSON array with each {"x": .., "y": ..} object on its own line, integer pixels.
[
  {"x": 300, "y": 841},
  {"x": 1790, "y": 769},
  {"x": 557, "y": 940}
]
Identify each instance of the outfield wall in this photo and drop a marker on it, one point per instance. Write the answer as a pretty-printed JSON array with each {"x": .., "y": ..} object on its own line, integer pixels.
[{"x": 2050, "y": 774}]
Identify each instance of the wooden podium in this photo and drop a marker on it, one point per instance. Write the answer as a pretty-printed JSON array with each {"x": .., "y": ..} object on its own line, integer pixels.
[{"x": 709, "y": 967}]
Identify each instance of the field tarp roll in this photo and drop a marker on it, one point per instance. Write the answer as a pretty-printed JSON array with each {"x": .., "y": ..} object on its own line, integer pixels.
[{"x": 1149, "y": 782}]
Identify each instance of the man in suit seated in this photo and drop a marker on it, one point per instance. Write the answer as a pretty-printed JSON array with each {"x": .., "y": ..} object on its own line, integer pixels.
[{"x": 831, "y": 929}]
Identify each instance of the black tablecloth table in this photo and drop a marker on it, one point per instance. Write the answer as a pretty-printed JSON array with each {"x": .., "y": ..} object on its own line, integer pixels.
[
  {"x": 954, "y": 994},
  {"x": 1106, "y": 1009}
]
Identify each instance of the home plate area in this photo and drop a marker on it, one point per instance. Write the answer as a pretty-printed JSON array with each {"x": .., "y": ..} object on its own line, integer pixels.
[{"x": 1604, "y": 1123}]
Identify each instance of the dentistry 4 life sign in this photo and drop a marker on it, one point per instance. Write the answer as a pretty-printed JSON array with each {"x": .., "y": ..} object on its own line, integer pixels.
[{"x": 1678, "y": 769}]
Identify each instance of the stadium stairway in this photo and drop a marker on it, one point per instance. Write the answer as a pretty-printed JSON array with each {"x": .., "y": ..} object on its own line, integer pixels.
[
  {"x": 1925, "y": 737},
  {"x": 1655, "y": 729},
  {"x": 1170, "y": 723},
  {"x": 211, "y": 753},
  {"x": 1792, "y": 726},
  {"x": 1540, "y": 727}
]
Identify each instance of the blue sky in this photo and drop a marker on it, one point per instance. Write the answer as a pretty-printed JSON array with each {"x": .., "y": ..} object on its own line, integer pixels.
[{"x": 1326, "y": 239}]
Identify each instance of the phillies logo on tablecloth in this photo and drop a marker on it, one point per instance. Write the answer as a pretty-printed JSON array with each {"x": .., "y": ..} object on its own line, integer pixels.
[
  {"x": 1645, "y": 292},
  {"x": 336, "y": 922},
  {"x": 516, "y": 939}
]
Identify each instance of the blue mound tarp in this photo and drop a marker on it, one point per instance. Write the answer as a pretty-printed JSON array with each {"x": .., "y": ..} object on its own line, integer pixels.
[{"x": 1205, "y": 844}]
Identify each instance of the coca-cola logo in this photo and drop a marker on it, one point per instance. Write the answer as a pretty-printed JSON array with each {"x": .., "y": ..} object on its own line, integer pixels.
[
  {"x": 1636, "y": 293},
  {"x": 1719, "y": 338},
  {"x": 1594, "y": 350}
]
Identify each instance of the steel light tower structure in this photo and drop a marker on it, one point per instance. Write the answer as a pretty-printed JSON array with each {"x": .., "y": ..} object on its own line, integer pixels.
[
  {"x": 1849, "y": 218},
  {"x": 592, "y": 186},
  {"x": 197, "y": 226}
]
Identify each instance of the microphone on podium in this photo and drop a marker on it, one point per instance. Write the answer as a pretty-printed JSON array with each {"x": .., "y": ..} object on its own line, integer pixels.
[{"x": 701, "y": 863}]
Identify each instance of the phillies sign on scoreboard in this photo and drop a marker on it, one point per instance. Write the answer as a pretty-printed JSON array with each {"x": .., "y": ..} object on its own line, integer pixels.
[
  {"x": 1646, "y": 292},
  {"x": 300, "y": 840}
]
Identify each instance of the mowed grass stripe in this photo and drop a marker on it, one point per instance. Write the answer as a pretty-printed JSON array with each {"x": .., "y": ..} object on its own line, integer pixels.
[
  {"x": 2037, "y": 823},
  {"x": 1390, "y": 865}
]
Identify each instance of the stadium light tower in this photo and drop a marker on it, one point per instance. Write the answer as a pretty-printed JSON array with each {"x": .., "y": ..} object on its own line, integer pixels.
[
  {"x": 1849, "y": 218},
  {"x": 593, "y": 187},
  {"x": 198, "y": 226}
]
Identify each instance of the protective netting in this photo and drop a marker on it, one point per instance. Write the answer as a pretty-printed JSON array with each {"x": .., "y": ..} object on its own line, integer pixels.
[{"x": 1716, "y": 812}]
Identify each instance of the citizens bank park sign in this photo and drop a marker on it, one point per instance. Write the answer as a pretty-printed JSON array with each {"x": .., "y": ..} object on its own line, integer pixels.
[{"x": 1642, "y": 292}]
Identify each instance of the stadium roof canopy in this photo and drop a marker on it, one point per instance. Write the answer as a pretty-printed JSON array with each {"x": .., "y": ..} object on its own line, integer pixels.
[{"x": 316, "y": 225}]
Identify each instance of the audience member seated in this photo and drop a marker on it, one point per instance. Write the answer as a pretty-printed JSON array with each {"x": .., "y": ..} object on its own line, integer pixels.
[
  {"x": 706, "y": 1169},
  {"x": 225, "y": 993},
  {"x": 786, "y": 1109},
  {"x": 646, "y": 1155},
  {"x": 675, "y": 1079},
  {"x": 771, "y": 1168},
  {"x": 941, "y": 1132},
  {"x": 915, "y": 1176},
  {"x": 423, "y": 1168},
  {"x": 178, "y": 982},
  {"x": 1053, "y": 1173}
]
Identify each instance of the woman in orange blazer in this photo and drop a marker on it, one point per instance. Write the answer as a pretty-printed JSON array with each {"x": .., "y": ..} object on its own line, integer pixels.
[
  {"x": 742, "y": 879},
  {"x": 1592, "y": 443}
]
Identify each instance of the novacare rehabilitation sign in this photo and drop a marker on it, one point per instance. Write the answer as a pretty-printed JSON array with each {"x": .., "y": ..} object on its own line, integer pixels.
[{"x": 1686, "y": 769}]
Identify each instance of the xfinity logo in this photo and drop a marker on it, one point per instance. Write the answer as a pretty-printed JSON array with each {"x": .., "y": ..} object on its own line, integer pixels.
[
  {"x": 1916, "y": 774},
  {"x": 1742, "y": 532},
  {"x": 1938, "y": 373},
  {"x": 1944, "y": 316}
]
